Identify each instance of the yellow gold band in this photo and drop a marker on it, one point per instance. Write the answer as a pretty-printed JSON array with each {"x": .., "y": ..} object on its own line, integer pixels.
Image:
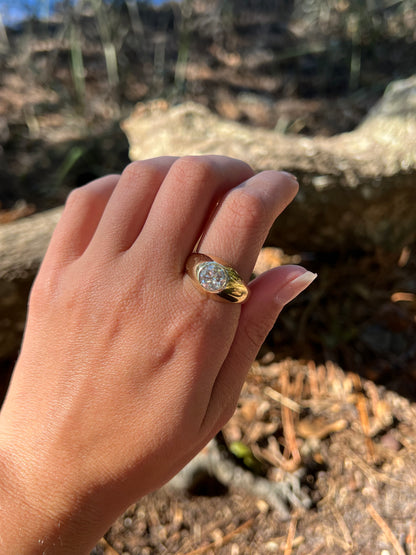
[{"x": 214, "y": 277}]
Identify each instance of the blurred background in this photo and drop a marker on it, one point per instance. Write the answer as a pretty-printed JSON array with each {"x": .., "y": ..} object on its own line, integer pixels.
[
  {"x": 323, "y": 88},
  {"x": 287, "y": 72},
  {"x": 298, "y": 78},
  {"x": 71, "y": 70}
]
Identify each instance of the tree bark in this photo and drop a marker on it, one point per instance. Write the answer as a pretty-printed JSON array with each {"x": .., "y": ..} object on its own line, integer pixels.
[
  {"x": 23, "y": 244},
  {"x": 357, "y": 188}
]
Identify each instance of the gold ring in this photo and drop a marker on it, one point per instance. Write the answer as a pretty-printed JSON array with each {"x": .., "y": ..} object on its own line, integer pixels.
[{"x": 213, "y": 276}]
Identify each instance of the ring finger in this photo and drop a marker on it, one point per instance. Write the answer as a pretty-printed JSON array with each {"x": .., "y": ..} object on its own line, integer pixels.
[{"x": 243, "y": 219}]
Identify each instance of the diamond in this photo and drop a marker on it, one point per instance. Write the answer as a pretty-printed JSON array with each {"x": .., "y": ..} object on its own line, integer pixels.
[{"x": 212, "y": 276}]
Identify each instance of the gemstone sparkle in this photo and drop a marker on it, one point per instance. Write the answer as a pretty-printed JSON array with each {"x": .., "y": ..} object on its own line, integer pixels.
[{"x": 212, "y": 276}]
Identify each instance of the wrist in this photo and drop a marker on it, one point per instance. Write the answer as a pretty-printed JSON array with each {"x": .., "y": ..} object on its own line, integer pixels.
[
  {"x": 54, "y": 497},
  {"x": 38, "y": 513}
]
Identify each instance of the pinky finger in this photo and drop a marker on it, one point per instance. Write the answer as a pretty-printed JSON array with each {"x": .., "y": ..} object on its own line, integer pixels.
[{"x": 270, "y": 292}]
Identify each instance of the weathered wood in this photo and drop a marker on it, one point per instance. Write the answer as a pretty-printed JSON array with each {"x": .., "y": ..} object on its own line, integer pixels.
[
  {"x": 23, "y": 244},
  {"x": 357, "y": 188}
]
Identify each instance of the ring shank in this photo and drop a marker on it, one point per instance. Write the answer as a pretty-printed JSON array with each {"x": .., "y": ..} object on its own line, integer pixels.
[{"x": 235, "y": 290}]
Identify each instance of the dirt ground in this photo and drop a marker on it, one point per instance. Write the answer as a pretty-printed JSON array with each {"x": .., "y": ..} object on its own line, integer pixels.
[
  {"x": 331, "y": 398},
  {"x": 351, "y": 442},
  {"x": 356, "y": 445}
]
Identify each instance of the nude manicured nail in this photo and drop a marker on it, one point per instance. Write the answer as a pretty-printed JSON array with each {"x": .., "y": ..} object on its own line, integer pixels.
[
  {"x": 290, "y": 176},
  {"x": 292, "y": 288}
]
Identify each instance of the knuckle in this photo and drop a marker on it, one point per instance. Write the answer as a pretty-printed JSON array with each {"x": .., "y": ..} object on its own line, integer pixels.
[
  {"x": 254, "y": 334},
  {"x": 83, "y": 196},
  {"x": 247, "y": 209},
  {"x": 194, "y": 169},
  {"x": 78, "y": 197},
  {"x": 133, "y": 170},
  {"x": 42, "y": 293},
  {"x": 143, "y": 170},
  {"x": 89, "y": 194}
]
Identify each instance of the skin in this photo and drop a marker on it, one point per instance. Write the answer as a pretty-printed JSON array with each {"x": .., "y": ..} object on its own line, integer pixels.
[{"x": 126, "y": 370}]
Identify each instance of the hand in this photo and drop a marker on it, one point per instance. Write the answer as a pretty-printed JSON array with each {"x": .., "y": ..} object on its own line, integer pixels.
[{"x": 126, "y": 369}]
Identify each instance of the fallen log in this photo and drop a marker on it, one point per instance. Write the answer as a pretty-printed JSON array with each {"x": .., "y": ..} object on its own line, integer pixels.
[
  {"x": 23, "y": 244},
  {"x": 357, "y": 188}
]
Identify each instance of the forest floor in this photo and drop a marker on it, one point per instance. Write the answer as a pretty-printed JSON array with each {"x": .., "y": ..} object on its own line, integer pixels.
[
  {"x": 356, "y": 446},
  {"x": 351, "y": 442},
  {"x": 332, "y": 395}
]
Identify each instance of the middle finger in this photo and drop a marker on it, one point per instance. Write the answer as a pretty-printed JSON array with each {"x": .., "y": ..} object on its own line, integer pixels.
[{"x": 185, "y": 202}]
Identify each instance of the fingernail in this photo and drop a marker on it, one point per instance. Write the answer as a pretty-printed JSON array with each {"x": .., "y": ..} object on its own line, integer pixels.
[
  {"x": 290, "y": 176},
  {"x": 292, "y": 288}
]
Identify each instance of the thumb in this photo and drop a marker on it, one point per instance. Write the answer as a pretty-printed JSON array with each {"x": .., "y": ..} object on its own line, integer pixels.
[
  {"x": 290, "y": 282},
  {"x": 269, "y": 293}
]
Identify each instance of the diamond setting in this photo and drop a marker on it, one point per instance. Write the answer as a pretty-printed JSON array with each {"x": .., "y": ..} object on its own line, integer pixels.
[{"x": 212, "y": 276}]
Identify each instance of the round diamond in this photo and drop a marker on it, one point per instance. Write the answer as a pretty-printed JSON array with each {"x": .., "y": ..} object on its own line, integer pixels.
[{"x": 212, "y": 276}]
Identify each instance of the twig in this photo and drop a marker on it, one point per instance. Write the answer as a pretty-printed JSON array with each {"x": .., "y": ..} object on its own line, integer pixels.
[
  {"x": 365, "y": 424},
  {"x": 373, "y": 395},
  {"x": 298, "y": 386},
  {"x": 224, "y": 540},
  {"x": 342, "y": 525},
  {"x": 108, "y": 549},
  {"x": 402, "y": 296},
  {"x": 410, "y": 539},
  {"x": 313, "y": 379},
  {"x": 337, "y": 379},
  {"x": 289, "y": 432},
  {"x": 284, "y": 401},
  {"x": 291, "y": 535},
  {"x": 371, "y": 473},
  {"x": 317, "y": 549},
  {"x": 322, "y": 380},
  {"x": 385, "y": 529},
  {"x": 356, "y": 381}
]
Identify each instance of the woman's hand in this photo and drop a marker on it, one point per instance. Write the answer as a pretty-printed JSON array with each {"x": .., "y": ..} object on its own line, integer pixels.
[{"x": 126, "y": 369}]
